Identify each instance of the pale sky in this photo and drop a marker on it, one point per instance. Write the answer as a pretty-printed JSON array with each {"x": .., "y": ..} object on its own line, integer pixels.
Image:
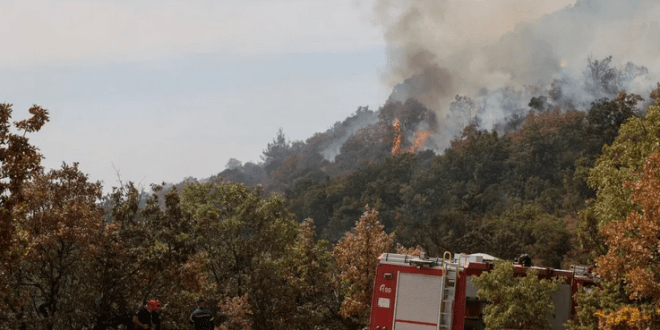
[{"x": 165, "y": 89}]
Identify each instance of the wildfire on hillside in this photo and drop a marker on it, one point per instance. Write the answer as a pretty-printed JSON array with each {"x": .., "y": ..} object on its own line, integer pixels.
[
  {"x": 397, "y": 138},
  {"x": 420, "y": 141}
]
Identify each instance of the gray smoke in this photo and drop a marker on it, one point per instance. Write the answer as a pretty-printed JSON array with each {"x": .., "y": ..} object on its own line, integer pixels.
[
  {"x": 341, "y": 131},
  {"x": 498, "y": 54}
]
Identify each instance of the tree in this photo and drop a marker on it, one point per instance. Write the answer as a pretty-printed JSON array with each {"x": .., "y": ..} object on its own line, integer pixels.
[
  {"x": 278, "y": 150},
  {"x": 620, "y": 162},
  {"x": 516, "y": 303},
  {"x": 245, "y": 238},
  {"x": 591, "y": 301},
  {"x": 173, "y": 267},
  {"x": 625, "y": 213},
  {"x": 119, "y": 266},
  {"x": 233, "y": 163},
  {"x": 62, "y": 225},
  {"x": 606, "y": 116},
  {"x": 249, "y": 174},
  {"x": 527, "y": 229},
  {"x": 379, "y": 185},
  {"x": 237, "y": 311},
  {"x": 623, "y": 161},
  {"x": 310, "y": 270},
  {"x": 601, "y": 78},
  {"x": 368, "y": 145},
  {"x": 655, "y": 94},
  {"x": 462, "y": 112},
  {"x": 411, "y": 114},
  {"x": 19, "y": 162},
  {"x": 633, "y": 257},
  {"x": 357, "y": 256}
]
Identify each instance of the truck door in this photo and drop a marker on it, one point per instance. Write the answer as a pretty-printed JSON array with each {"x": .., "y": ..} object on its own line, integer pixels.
[{"x": 418, "y": 299}]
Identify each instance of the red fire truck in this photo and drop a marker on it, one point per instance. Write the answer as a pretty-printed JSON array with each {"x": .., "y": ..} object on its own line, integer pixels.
[{"x": 421, "y": 293}]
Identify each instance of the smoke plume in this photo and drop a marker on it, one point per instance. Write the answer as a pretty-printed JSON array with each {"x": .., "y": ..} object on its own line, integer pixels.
[
  {"x": 341, "y": 131},
  {"x": 472, "y": 59}
]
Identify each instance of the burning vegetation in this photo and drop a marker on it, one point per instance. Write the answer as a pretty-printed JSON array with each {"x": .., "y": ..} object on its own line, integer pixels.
[{"x": 515, "y": 141}]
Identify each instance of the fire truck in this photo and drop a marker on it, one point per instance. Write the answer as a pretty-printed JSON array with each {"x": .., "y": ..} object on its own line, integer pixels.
[{"x": 421, "y": 293}]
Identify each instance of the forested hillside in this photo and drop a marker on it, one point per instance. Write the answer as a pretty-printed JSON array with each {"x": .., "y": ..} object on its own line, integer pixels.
[
  {"x": 522, "y": 182},
  {"x": 524, "y": 130},
  {"x": 486, "y": 190},
  {"x": 292, "y": 242}
]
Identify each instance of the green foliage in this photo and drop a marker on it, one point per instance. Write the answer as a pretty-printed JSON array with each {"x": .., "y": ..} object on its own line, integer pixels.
[
  {"x": 608, "y": 307},
  {"x": 445, "y": 202},
  {"x": 505, "y": 194},
  {"x": 310, "y": 270},
  {"x": 605, "y": 116},
  {"x": 516, "y": 303},
  {"x": 448, "y": 202},
  {"x": 632, "y": 258},
  {"x": 623, "y": 161},
  {"x": 62, "y": 222},
  {"x": 277, "y": 151},
  {"x": 609, "y": 297},
  {"x": 528, "y": 229},
  {"x": 245, "y": 238},
  {"x": 220, "y": 240}
]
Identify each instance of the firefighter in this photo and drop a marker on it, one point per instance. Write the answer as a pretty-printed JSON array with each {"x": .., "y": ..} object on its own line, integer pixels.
[
  {"x": 146, "y": 317},
  {"x": 201, "y": 317},
  {"x": 524, "y": 260}
]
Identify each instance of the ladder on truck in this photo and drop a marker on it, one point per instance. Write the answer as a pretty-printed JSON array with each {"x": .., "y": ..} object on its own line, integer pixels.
[{"x": 448, "y": 291}]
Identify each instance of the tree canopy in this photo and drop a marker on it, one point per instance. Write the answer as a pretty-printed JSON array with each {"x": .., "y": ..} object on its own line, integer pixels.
[
  {"x": 288, "y": 243},
  {"x": 516, "y": 302}
]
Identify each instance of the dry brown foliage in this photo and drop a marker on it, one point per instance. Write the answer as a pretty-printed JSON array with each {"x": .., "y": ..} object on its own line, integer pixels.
[
  {"x": 634, "y": 252},
  {"x": 357, "y": 256},
  {"x": 413, "y": 251},
  {"x": 634, "y": 243},
  {"x": 655, "y": 94},
  {"x": 547, "y": 122},
  {"x": 236, "y": 309}
]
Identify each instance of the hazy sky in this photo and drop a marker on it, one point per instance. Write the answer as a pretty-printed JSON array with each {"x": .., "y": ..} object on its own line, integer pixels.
[{"x": 165, "y": 89}]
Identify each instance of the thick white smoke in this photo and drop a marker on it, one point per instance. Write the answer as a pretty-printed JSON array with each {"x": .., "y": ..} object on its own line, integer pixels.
[{"x": 501, "y": 53}]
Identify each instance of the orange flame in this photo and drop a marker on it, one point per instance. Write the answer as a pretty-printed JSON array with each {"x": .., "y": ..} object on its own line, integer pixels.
[
  {"x": 397, "y": 138},
  {"x": 420, "y": 140}
]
